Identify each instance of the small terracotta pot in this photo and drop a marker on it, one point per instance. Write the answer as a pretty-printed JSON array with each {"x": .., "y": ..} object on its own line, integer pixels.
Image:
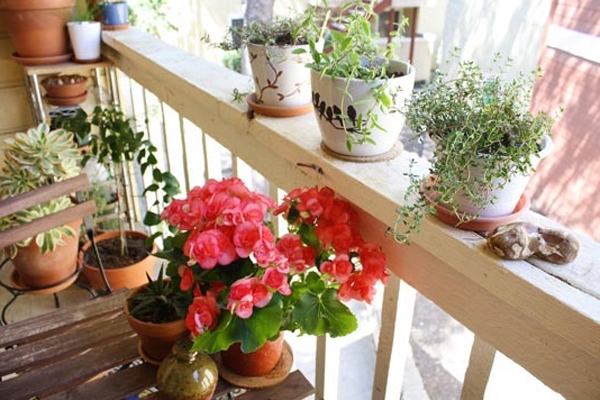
[
  {"x": 257, "y": 363},
  {"x": 156, "y": 339},
  {"x": 37, "y": 270},
  {"x": 60, "y": 86},
  {"x": 131, "y": 276}
]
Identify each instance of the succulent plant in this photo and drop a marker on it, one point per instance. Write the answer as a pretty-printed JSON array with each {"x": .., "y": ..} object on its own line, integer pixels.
[{"x": 32, "y": 160}]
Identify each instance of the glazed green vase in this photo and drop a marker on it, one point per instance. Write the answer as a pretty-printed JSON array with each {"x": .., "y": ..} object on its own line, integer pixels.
[{"x": 186, "y": 375}]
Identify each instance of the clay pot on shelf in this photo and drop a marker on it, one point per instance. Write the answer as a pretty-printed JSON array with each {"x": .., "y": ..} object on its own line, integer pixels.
[
  {"x": 38, "y": 29},
  {"x": 65, "y": 90}
]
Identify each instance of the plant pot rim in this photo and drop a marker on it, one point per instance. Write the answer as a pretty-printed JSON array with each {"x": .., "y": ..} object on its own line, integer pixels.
[
  {"x": 409, "y": 74},
  {"x": 109, "y": 235},
  {"x": 21, "y": 5}
]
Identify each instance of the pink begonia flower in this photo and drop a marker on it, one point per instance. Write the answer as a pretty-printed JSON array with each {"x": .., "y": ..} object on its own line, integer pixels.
[
  {"x": 253, "y": 212},
  {"x": 202, "y": 315},
  {"x": 187, "y": 278},
  {"x": 246, "y": 294},
  {"x": 298, "y": 255},
  {"x": 247, "y": 235},
  {"x": 359, "y": 286},
  {"x": 209, "y": 248},
  {"x": 340, "y": 268},
  {"x": 277, "y": 281}
]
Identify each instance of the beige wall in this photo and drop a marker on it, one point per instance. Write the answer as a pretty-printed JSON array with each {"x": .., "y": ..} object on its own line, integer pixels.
[{"x": 15, "y": 112}]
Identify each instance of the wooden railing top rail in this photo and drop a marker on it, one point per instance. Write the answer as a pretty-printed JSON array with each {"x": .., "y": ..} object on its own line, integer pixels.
[{"x": 549, "y": 327}]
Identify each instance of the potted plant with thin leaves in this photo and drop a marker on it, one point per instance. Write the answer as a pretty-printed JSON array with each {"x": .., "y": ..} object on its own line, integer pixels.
[
  {"x": 126, "y": 253},
  {"x": 156, "y": 311},
  {"x": 486, "y": 142},
  {"x": 358, "y": 87},
  {"x": 85, "y": 31},
  {"x": 32, "y": 160},
  {"x": 278, "y": 53}
]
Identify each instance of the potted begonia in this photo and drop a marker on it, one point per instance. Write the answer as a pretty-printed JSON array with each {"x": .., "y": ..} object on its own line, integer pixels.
[{"x": 249, "y": 285}]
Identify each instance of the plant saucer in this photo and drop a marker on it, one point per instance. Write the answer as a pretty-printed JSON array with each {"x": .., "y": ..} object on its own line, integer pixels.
[
  {"x": 481, "y": 224},
  {"x": 120, "y": 27},
  {"x": 276, "y": 376},
  {"x": 66, "y": 101},
  {"x": 278, "y": 112},
  {"x": 147, "y": 359},
  {"x": 41, "y": 60}
]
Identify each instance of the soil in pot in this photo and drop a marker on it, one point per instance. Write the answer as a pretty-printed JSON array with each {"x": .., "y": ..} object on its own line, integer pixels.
[{"x": 110, "y": 252}]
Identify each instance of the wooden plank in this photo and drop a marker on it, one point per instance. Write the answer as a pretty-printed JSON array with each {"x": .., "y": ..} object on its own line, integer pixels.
[
  {"x": 393, "y": 346},
  {"x": 295, "y": 387},
  {"x": 45, "y": 325},
  {"x": 478, "y": 371},
  {"x": 21, "y": 232},
  {"x": 43, "y": 194},
  {"x": 327, "y": 368},
  {"x": 114, "y": 386},
  {"x": 71, "y": 371},
  {"x": 63, "y": 344}
]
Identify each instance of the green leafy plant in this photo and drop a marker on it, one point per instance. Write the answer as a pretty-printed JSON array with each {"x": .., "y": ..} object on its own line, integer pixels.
[
  {"x": 32, "y": 160},
  {"x": 85, "y": 10},
  {"x": 476, "y": 119},
  {"x": 159, "y": 301},
  {"x": 114, "y": 142},
  {"x": 352, "y": 51}
]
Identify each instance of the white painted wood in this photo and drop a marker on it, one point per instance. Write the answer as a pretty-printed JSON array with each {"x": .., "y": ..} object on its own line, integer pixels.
[
  {"x": 549, "y": 327},
  {"x": 327, "y": 368},
  {"x": 478, "y": 371},
  {"x": 393, "y": 347},
  {"x": 212, "y": 158}
]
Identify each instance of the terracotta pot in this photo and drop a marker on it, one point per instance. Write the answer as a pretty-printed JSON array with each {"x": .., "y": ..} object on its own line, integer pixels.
[
  {"x": 37, "y": 28},
  {"x": 60, "y": 86},
  {"x": 131, "y": 276},
  {"x": 257, "y": 363},
  {"x": 337, "y": 99},
  {"x": 156, "y": 340},
  {"x": 36, "y": 270}
]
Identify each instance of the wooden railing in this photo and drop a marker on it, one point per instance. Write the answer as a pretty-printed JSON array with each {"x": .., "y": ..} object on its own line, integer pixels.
[{"x": 526, "y": 310}]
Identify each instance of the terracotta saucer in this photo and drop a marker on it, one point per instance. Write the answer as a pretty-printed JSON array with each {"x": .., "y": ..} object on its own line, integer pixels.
[
  {"x": 66, "y": 101},
  {"x": 116, "y": 27},
  {"x": 17, "y": 283},
  {"x": 40, "y": 60},
  {"x": 446, "y": 215},
  {"x": 278, "y": 375},
  {"x": 278, "y": 112}
]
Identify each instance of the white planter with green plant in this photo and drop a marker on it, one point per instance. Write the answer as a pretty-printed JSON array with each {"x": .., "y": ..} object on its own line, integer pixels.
[
  {"x": 85, "y": 32},
  {"x": 486, "y": 142},
  {"x": 358, "y": 89},
  {"x": 278, "y": 52}
]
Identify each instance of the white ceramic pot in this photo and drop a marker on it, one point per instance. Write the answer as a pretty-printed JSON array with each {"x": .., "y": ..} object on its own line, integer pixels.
[
  {"x": 85, "y": 39},
  {"x": 333, "y": 97},
  {"x": 507, "y": 197},
  {"x": 280, "y": 76}
]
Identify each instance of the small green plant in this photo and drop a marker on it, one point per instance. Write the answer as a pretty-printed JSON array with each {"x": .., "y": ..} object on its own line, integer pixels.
[
  {"x": 476, "y": 119},
  {"x": 85, "y": 10},
  {"x": 114, "y": 143},
  {"x": 159, "y": 301},
  {"x": 280, "y": 31},
  {"x": 32, "y": 160},
  {"x": 352, "y": 51}
]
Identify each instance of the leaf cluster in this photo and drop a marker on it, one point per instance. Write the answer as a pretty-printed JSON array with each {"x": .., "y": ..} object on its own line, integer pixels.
[
  {"x": 280, "y": 31},
  {"x": 85, "y": 10},
  {"x": 32, "y": 160},
  {"x": 159, "y": 301},
  {"x": 352, "y": 49},
  {"x": 476, "y": 119}
]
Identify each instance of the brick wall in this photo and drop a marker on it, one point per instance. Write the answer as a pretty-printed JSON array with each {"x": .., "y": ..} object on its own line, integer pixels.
[{"x": 567, "y": 184}]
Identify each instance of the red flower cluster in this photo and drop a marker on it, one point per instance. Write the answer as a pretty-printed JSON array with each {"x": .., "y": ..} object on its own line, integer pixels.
[{"x": 224, "y": 223}]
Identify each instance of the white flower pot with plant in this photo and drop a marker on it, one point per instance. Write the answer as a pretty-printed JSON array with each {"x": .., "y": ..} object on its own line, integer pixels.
[
  {"x": 487, "y": 144},
  {"x": 358, "y": 90},
  {"x": 84, "y": 32},
  {"x": 278, "y": 53}
]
